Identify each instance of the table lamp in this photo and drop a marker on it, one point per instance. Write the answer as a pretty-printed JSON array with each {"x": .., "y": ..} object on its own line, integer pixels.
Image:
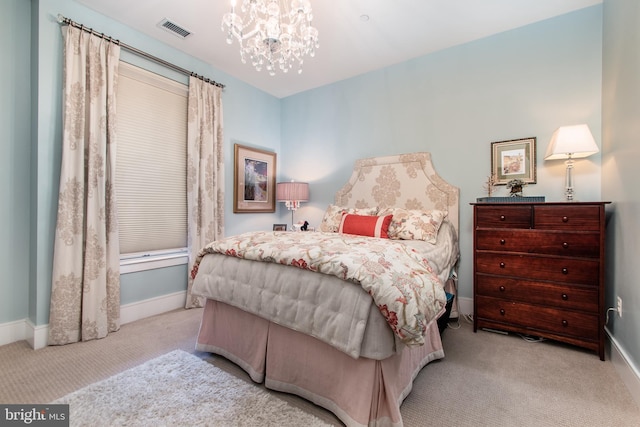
[
  {"x": 292, "y": 193},
  {"x": 571, "y": 142}
]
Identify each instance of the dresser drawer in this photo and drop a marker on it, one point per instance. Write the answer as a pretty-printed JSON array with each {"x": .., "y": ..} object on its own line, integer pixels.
[
  {"x": 503, "y": 217},
  {"x": 585, "y": 218},
  {"x": 533, "y": 317},
  {"x": 575, "y": 244},
  {"x": 556, "y": 269},
  {"x": 583, "y": 298}
]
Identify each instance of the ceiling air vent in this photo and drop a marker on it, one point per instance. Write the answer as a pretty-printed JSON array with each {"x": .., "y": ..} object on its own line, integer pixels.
[{"x": 174, "y": 28}]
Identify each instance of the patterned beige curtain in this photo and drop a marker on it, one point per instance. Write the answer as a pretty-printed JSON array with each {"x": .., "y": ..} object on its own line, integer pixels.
[
  {"x": 205, "y": 172},
  {"x": 85, "y": 293}
]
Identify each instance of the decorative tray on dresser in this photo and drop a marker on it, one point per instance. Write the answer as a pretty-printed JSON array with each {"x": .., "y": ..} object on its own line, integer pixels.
[{"x": 539, "y": 270}]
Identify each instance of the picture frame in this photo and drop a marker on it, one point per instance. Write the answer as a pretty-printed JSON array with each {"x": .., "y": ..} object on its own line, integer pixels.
[
  {"x": 514, "y": 159},
  {"x": 279, "y": 227},
  {"x": 254, "y": 180}
]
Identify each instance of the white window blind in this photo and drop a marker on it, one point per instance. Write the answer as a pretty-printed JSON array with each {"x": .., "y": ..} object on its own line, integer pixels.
[{"x": 151, "y": 161}]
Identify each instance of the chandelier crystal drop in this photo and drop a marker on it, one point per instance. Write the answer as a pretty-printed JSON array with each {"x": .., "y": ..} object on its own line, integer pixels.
[{"x": 272, "y": 33}]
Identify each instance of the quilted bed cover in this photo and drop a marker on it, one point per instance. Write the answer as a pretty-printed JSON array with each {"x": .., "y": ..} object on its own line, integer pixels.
[{"x": 363, "y": 296}]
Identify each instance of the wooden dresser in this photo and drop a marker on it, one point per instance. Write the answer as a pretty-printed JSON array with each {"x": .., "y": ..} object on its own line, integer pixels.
[{"x": 539, "y": 270}]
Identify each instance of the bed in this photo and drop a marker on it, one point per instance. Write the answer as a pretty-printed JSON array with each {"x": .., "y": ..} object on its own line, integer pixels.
[{"x": 333, "y": 330}]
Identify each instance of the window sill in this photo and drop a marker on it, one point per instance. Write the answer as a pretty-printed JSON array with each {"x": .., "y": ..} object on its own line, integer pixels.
[{"x": 153, "y": 261}]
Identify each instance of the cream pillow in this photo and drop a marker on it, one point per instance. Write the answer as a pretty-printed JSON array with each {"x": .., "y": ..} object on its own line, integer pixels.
[
  {"x": 413, "y": 224},
  {"x": 333, "y": 216}
]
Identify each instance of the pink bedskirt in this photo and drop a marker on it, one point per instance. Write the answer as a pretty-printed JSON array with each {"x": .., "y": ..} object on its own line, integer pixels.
[{"x": 360, "y": 392}]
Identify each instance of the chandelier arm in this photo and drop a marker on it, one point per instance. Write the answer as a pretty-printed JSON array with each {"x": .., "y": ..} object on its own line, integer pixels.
[
  {"x": 235, "y": 33},
  {"x": 248, "y": 35},
  {"x": 280, "y": 34}
]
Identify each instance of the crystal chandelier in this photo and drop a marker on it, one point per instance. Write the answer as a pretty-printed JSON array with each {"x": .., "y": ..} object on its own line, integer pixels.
[{"x": 271, "y": 33}]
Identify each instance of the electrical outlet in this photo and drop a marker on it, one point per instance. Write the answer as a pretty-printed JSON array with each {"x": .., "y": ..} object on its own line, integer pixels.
[{"x": 619, "y": 306}]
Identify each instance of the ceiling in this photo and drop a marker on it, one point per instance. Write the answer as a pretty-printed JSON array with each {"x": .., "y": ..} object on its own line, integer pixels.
[{"x": 397, "y": 30}]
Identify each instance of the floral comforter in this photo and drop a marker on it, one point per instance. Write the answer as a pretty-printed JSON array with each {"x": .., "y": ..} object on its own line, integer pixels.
[{"x": 402, "y": 284}]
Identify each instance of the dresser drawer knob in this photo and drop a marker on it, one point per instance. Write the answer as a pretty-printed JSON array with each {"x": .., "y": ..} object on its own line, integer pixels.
[
  {"x": 565, "y": 245},
  {"x": 565, "y": 323},
  {"x": 502, "y": 289},
  {"x": 565, "y": 270},
  {"x": 502, "y": 312},
  {"x": 502, "y": 218},
  {"x": 502, "y": 265},
  {"x": 502, "y": 241},
  {"x": 565, "y": 219},
  {"x": 565, "y": 297}
]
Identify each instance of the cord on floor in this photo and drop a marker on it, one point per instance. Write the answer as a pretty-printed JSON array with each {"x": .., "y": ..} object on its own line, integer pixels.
[
  {"x": 456, "y": 324},
  {"x": 531, "y": 339}
]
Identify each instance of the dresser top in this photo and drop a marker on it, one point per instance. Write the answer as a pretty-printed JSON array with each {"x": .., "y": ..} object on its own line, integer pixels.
[{"x": 538, "y": 203}]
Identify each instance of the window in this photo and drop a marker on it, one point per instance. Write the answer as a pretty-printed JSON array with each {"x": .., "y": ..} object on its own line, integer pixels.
[{"x": 151, "y": 163}]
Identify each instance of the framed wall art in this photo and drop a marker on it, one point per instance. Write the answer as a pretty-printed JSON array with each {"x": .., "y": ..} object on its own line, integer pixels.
[
  {"x": 254, "y": 180},
  {"x": 514, "y": 159}
]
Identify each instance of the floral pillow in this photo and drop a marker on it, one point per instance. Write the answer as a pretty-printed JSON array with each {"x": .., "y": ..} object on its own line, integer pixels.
[
  {"x": 333, "y": 216},
  {"x": 413, "y": 224}
]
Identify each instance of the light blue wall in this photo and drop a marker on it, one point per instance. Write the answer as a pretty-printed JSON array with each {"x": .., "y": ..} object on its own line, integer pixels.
[
  {"x": 15, "y": 146},
  {"x": 620, "y": 172},
  {"x": 454, "y": 103},
  {"x": 143, "y": 285},
  {"x": 250, "y": 115}
]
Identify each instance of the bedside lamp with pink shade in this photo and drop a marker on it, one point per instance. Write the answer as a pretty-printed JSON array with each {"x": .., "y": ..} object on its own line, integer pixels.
[{"x": 292, "y": 193}]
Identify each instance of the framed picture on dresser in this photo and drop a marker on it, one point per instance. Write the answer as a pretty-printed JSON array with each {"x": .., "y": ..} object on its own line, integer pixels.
[{"x": 514, "y": 159}]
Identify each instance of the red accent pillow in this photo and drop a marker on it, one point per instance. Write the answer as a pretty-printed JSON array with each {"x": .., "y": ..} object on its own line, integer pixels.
[{"x": 365, "y": 225}]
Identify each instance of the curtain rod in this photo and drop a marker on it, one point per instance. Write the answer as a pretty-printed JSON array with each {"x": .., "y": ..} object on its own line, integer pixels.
[{"x": 66, "y": 21}]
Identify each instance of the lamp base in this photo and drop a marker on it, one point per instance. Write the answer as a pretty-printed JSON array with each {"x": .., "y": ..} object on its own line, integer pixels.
[
  {"x": 568, "y": 195},
  {"x": 568, "y": 191}
]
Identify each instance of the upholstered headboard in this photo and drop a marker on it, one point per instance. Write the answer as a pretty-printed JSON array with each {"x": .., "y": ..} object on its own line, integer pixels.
[{"x": 402, "y": 181}]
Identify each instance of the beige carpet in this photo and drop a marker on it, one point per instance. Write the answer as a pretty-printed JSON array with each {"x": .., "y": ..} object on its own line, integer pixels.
[
  {"x": 180, "y": 389},
  {"x": 489, "y": 379},
  {"x": 485, "y": 379}
]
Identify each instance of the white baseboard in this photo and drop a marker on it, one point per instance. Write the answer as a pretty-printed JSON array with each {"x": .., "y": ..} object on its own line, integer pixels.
[
  {"x": 465, "y": 305},
  {"x": 37, "y": 336},
  {"x": 628, "y": 372},
  {"x": 152, "y": 306},
  {"x": 13, "y": 331}
]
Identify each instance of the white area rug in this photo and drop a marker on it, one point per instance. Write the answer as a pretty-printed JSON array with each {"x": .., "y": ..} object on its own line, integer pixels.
[{"x": 179, "y": 389}]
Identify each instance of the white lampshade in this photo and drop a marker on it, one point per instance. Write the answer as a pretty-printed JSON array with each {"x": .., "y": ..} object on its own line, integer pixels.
[
  {"x": 292, "y": 192},
  {"x": 571, "y": 142}
]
